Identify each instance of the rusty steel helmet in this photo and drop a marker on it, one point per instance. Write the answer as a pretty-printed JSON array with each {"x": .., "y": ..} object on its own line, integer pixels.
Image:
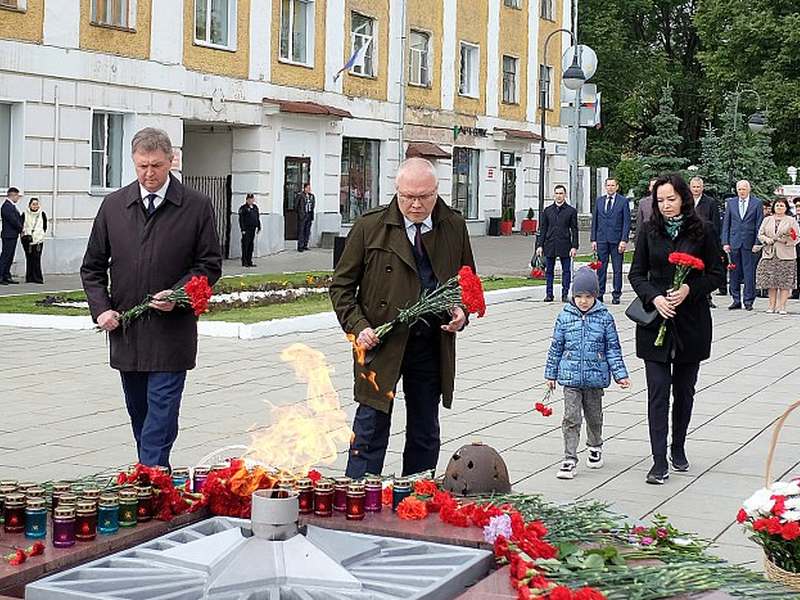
[{"x": 476, "y": 469}]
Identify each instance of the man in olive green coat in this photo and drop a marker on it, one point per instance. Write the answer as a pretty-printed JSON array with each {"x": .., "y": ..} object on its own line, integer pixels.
[{"x": 393, "y": 253}]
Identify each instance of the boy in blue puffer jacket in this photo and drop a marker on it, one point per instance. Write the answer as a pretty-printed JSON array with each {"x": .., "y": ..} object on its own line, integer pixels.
[{"x": 584, "y": 354}]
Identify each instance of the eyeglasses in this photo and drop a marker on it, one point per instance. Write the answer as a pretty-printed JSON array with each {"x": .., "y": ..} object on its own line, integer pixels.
[{"x": 406, "y": 199}]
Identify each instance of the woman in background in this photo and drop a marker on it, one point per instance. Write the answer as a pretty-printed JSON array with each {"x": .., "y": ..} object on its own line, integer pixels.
[
  {"x": 33, "y": 229},
  {"x": 777, "y": 269}
]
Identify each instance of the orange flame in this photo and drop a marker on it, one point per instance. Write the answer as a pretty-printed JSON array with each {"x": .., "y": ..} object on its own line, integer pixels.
[
  {"x": 304, "y": 435},
  {"x": 361, "y": 353}
]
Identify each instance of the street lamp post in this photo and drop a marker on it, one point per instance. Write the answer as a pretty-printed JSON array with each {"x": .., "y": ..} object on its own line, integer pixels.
[
  {"x": 757, "y": 122},
  {"x": 573, "y": 79}
]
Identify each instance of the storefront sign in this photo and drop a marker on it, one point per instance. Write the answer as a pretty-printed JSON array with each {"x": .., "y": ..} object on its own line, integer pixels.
[{"x": 473, "y": 131}]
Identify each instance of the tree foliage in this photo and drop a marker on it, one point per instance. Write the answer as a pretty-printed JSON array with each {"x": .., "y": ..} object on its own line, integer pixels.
[{"x": 661, "y": 147}]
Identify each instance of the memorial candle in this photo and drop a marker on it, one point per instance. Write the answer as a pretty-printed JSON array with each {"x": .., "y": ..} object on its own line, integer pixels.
[
  {"x": 340, "y": 493},
  {"x": 373, "y": 490},
  {"x": 400, "y": 490},
  {"x": 64, "y": 527},
  {"x": 199, "y": 477},
  {"x": 35, "y": 518},
  {"x": 144, "y": 511},
  {"x": 305, "y": 496},
  {"x": 14, "y": 513},
  {"x": 323, "y": 498},
  {"x": 355, "y": 501},
  {"x": 128, "y": 506},
  {"x": 108, "y": 514},
  {"x": 86, "y": 521}
]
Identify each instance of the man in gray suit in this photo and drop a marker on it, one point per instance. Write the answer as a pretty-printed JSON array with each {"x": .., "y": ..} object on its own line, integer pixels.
[{"x": 743, "y": 216}]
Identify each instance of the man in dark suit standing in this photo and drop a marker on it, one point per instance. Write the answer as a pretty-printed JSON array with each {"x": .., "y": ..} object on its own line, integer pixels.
[
  {"x": 707, "y": 209},
  {"x": 611, "y": 226},
  {"x": 304, "y": 205},
  {"x": 153, "y": 236},
  {"x": 12, "y": 228},
  {"x": 743, "y": 216},
  {"x": 559, "y": 239},
  {"x": 249, "y": 223},
  {"x": 392, "y": 254}
]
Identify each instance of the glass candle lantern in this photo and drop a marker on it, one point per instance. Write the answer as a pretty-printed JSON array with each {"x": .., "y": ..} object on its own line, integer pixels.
[
  {"x": 305, "y": 496},
  {"x": 128, "y": 507},
  {"x": 400, "y": 490},
  {"x": 91, "y": 493},
  {"x": 64, "y": 498},
  {"x": 144, "y": 512},
  {"x": 180, "y": 475},
  {"x": 24, "y": 486},
  {"x": 86, "y": 521},
  {"x": 162, "y": 469},
  {"x": 373, "y": 494},
  {"x": 323, "y": 498},
  {"x": 199, "y": 478},
  {"x": 355, "y": 501},
  {"x": 9, "y": 483},
  {"x": 35, "y": 492},
  {"x": 5, "y": 489},
  {"x": 108, "y": 514},
  {"x": 340, "y": 493},
  {"x": 36, "y": 518},
  {"x": 14, "y": 513},
  {"x": 64, "y": 527}
]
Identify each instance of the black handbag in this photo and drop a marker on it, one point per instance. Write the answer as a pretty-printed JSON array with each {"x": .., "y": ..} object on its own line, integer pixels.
[{"x": 637, "y": 313}]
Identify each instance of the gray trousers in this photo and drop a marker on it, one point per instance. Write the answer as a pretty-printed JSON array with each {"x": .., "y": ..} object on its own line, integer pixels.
[{"x": 577, "y": 404}]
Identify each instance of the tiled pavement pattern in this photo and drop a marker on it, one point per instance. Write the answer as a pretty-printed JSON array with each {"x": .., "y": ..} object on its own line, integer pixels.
[{"x": 63, "y": 413}]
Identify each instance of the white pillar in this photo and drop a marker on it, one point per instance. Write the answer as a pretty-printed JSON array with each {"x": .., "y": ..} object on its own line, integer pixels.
[
  {"x": 337, "y": 43},
  {"x": 493, "y": 60},
  {"x": 260, "y": 40},
  {"x": 62, "y": 24},
  {"x": 450, "y": 52},
  {"x": 532, "y": 113}
]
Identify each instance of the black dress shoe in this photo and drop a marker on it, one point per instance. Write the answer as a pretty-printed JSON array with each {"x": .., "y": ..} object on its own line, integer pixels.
[
  {"x": 657, "y": 476},
  {"x": 748, "y": 307},
  {"x": 735, "y": 306},
  {"x": 252, "y": 265},
  {"x": 548, "y": 298},
  {"x": 615, "y": 301},
  {"x": 12, "y": 281},
  {"x": 3, "y": 282}
]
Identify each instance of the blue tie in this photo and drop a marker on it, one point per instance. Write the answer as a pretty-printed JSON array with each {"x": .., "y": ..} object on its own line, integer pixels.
[{"x": 151, "y": 204}]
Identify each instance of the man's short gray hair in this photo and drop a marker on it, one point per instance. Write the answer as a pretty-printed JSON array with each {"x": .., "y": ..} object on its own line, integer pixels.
[
  {"x": 416, "y": 163},
  {"x": 151, "y": 139},
  {"x": 696, "y": 178}
]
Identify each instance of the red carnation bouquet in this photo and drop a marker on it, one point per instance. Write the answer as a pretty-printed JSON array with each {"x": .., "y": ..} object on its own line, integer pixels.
[
  {"x": 596, "y": 263},
  {"x": 464, "y": 290},
  {"x": 537, "y": 272},
  {"x": 195, "y": 294},
  {"x": 684, "y": 263}
]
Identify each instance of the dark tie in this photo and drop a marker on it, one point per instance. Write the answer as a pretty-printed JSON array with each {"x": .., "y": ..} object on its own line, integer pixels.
[
  {"x": 151, "y": 204},
  {"x": 418, "y": 249},
  {"x": 609, "y": 203}
]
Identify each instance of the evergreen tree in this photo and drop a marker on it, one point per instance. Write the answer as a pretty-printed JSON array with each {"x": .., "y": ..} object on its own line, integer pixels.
[
  {"x": 660, "y": 150},
  {"x": 712, "y": 168}
]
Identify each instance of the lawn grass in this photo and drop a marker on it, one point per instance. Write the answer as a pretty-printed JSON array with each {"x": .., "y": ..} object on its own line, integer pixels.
[
  {"x": 628, "y": 258},
  {"x": 306, "y": 305}
]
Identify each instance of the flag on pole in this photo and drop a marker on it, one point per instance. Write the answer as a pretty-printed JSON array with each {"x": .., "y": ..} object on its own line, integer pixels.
[{"x": 357, "y": 59}]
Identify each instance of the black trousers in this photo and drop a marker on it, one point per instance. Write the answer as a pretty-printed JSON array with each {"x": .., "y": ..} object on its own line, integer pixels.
[
  {"x": 7, "y": 257},
  {"x": 680, "y": 378},
  {"x": 248, "y": 240},
  {"x": 33, "y": 262},
  {"x": 422, "y": 389},
  {"x": 304, "y": 231},
  {"x": 723, "y": 289}
]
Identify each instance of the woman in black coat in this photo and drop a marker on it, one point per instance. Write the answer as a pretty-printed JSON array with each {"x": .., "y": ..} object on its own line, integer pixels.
[{"x": 674, "y": 226}]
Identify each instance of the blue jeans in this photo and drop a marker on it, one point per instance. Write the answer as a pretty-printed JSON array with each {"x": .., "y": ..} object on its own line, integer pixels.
[
  {"x": 604, "y": 251},
  {"x": 566, "y": 274},
  {"x": 422, "y": 390},
  {"x": 153, "y": 401},
  {"x": 745, "y": 272}
]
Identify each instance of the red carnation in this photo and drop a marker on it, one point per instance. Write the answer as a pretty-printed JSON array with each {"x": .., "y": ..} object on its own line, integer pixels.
[
  {"x": 314, "y": 475},
  {"x": 791, "y": 531},
  {"x": 793, "y": 234},
  {"x": 684, "y": 264},
  {"x": 731, "y": 266},
  {"x": 537, "y": 273},
  {"x": 741, "y": 516},
  {"x": 36, "y": 549},
  {"x": 471, "y": 291}
]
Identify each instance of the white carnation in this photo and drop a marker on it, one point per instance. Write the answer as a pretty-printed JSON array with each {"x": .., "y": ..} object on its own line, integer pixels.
[
  {"x": 786, "y": 488},
  {"x": 759, "y": 503}
]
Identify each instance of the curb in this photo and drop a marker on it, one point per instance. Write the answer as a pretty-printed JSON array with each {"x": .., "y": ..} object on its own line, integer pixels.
[{"x": 244, "y": 331}]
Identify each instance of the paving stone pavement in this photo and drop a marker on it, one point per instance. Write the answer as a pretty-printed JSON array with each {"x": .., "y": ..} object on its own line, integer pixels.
[{"x": 64, "y": 415}]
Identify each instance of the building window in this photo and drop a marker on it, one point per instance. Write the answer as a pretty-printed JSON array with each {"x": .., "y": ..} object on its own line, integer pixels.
[
  {"x": 362, "y": 32},
  {"x": 419, "y": 59},
  {"x": 297, "y": 31},
  {"x": 14, "y": 4},
  {"x": 548, "y": 10},
  {"x": 116, "y": 13},
  {"x": 546, "y": 83},
  {"x": 107, "y": 132},
  {"x": 511, "y": 3},
  {"x": 470, "y": 70},
  {"x": 466, "y": 172},
  {"x": 5, "y": 147},
  {"x": 359, "y": 178},
  {"x": 510, "y": 93},
  {"x": 215, "y": 23}
]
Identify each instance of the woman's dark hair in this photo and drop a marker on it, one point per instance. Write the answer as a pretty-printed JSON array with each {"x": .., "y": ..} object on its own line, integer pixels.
[
  {"x": 783, "y": 201},
  {"x": 32, "y": 200},
  {"x": 692, "y": 225}
]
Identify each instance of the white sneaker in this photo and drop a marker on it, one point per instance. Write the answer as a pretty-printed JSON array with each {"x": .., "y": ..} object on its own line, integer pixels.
[
  {"x": 769, "y": 311},
  {"x": 567, "y": 470},
  {"x": 594, "y": 460}
]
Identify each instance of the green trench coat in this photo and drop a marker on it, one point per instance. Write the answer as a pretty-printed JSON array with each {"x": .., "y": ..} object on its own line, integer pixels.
[{"x": 377, "y": 276}]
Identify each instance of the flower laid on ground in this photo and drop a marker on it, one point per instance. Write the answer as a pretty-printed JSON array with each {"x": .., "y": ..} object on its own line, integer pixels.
[
  {"x": 412, "y": 509},
  {"x": 314, "y": 475},
  {"x": 228, "y": 491},
  {"x": 425, "y": 487},
  {"x": 772, "y": 515},
  {"x": 684, "y": 263},
  {"x": 195, "y": 294},
  {"x": 19, "y": 556},
  {"x": 168, "y": 501},
  {"x": 596, "y": 264},
  {"x": 661, "y": 533},
  {"x": 464, "y": 290},
  {"x": 499, "y": 525}
]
